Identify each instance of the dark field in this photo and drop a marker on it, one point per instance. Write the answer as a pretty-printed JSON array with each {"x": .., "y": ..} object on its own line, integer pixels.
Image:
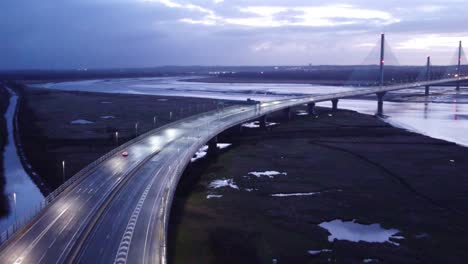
[
  {"x": 49, "y": 137},
  {"x": 362, "y": 169}
]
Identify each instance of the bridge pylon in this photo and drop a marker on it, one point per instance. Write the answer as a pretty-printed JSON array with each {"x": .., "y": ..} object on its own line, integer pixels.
[
  {"x": 459, "y": 64},
  {"x": 382, "y": 58},
  {"x": 428, "y": 74}
]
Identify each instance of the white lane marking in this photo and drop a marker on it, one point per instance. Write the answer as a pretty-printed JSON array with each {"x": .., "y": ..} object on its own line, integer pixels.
[
  {"x": 35, "y": 241},
  {"x": 148, "y": 229},
  {"x": 122, "y": 252},
  {"x": 90, "y": 191},
  {"x": 53, "y": 241},
  {"x": 93, "y": 209},
  {"x": 42, "y": 257}
]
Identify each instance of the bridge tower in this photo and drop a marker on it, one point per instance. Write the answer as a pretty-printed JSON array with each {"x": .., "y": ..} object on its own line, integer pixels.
[
  {"x": 380, "y": 95},
  {"x": 382, "y": 58},
  {"x": 428, "y": 74},
  {"x": 459, "y": 64}
]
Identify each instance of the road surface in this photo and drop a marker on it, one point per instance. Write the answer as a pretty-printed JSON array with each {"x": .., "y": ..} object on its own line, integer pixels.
[{"x": 119, "y": 211}]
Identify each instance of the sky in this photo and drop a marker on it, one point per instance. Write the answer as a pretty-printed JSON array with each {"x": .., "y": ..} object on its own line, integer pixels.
[{"x": 76, "y": 34}]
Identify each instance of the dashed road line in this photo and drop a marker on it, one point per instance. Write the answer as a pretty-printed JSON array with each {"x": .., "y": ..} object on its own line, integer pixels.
[{"x": 122, "y": 252}]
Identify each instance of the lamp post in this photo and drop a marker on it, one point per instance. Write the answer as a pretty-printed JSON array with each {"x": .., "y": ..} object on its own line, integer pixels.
[
  {"x": 170, "y": 115},
  {"x": 154, "y": 121},
  {"x": 14, "y": 203},
  {"x": 63, "y": 170},
  {"x": 136, "y": 128},
  {"x": 117, "y": 137}
]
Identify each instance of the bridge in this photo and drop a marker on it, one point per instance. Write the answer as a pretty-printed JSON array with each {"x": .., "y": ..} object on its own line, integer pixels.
[{"x": 117, "y": 208}]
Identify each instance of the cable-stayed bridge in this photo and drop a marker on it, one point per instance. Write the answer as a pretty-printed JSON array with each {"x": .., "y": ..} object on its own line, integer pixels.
[{"x": 117, "y": 209}]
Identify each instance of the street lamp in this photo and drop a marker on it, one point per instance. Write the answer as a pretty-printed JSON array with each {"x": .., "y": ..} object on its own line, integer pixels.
[
  {"x": 154, "y": 121},
  {"x": 136, "y": 128},
  {"x": 14, "y": 203},
  {"x": 117, "y": 137},
  {"x": 170, "y": 115},
  {"x": 63, "y": 170}
]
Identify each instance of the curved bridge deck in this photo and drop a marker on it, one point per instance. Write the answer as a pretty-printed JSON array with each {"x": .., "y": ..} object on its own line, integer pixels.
[{"x": 118, "y": 211}]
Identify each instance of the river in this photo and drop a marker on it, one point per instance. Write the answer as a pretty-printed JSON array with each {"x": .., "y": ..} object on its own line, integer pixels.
[
  {"x": 443, "y": 116},
  {"x": 22, "y": 192}
]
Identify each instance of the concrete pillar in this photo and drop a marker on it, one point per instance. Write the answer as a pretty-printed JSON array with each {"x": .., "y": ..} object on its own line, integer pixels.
[
  {"x": 380, "y": 97},
  {"x": 335, "y": 104},
  {"x": 263, "y": 122},
  {"x": 287, "y": 113},
  {"x": 213, "y": 146},
  {"x": 311, "y": 108}
]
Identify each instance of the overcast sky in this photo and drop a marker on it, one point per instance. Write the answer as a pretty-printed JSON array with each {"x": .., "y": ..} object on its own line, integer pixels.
[{"x": 55, "y": 34}]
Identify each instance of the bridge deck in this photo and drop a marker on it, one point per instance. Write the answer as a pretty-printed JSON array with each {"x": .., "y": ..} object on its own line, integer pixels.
[{"x": 119, "y": 211}]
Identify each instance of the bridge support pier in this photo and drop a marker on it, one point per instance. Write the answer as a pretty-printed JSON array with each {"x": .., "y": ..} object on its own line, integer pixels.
[
  {"x": 287, "y": 113},
  {"x": 380, "y": 97},
  {"x": 240, "y": 128},
  {"x": 213, "y": 146},
  {"x": 311, "y": 108},
  {"x": 335, "y": 104},
  {"x": 263, "y": 122}
]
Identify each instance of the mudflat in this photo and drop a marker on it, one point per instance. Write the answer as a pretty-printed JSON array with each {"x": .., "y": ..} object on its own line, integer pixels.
[
  {"x": 79, "y": 127},
  {"x": 278, "y": 189}
]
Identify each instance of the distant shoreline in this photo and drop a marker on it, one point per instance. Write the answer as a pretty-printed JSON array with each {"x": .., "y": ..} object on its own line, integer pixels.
[
  {"x": 280, "y": 81},
  {"x": 270, "y": 81}
]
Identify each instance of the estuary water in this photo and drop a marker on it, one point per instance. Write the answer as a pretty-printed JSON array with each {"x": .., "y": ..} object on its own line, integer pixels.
[
  {"x": 23, "y": 194},
  {"x": 444, "y": 115}
]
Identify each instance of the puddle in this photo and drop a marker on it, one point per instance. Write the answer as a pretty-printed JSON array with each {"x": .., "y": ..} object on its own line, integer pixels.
[
  {"x": 317, "y": 252},
  {"x": 107, "y": 117},
  {"x": 81, "y": 122},
  {"x": 201, "y": 153},
  {"x": 269, "y": 174},
  {"x": 294, "y": 194},
  {"x": 354, "y": 232},
  {"x": 212, "y": 196},
  {"x": 256, "y": 124},
  {"x": 223, "y": 183}
]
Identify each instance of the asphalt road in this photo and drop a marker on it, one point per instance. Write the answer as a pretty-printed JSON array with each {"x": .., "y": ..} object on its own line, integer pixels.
[{"x": 118, "y": 212}]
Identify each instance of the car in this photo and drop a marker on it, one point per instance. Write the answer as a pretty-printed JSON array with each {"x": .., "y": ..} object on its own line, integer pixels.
[{"x": 125, "y": 154}]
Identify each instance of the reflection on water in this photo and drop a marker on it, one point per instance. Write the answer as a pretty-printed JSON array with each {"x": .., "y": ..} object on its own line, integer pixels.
[
  {"x": 23, "y": 194},
  {"x": 175, "y": 86},
  {"x": 438, "y": 120},
  {"x": 446, "y": 119}
]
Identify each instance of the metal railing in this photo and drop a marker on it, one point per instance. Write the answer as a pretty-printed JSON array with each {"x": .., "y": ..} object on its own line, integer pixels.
[
  {"x": 29, "y": 218},
  {"x": 23, "y": 222}
]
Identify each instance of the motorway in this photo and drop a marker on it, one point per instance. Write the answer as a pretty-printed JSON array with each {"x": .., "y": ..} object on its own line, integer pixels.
[{"x": 118, "y": 212}]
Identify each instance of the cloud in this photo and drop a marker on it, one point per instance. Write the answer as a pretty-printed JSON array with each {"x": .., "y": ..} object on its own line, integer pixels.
[
  {"x": 304, "y": 16},
  {"x": 141, "y": 33}
]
